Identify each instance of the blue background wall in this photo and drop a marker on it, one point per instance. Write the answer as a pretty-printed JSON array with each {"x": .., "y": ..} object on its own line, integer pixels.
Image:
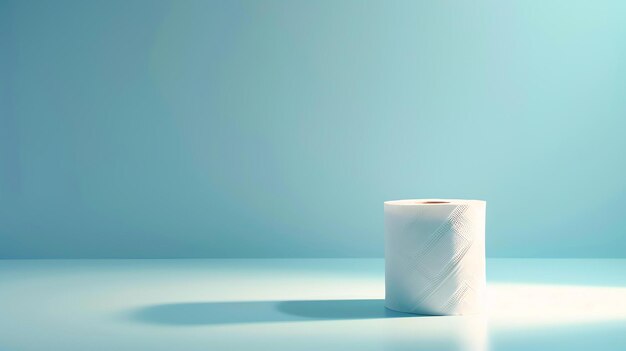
[{"x": 278, "y": 128}]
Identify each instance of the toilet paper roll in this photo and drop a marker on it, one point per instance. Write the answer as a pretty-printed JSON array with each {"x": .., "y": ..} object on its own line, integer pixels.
[{"x": 435, "y": 256}]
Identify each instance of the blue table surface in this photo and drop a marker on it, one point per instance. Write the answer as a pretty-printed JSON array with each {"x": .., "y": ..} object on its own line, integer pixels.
[{"x": 299, "y": 304}]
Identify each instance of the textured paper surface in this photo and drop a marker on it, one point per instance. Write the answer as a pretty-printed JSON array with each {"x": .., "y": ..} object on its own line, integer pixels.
[{"x": 435, "y": 256}]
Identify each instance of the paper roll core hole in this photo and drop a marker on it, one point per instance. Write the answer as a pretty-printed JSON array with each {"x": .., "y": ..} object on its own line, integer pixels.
[{"x": 433, "y": 202}]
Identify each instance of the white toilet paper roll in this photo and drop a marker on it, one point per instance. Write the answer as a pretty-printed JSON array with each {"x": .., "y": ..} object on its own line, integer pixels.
[{"x": 435, "y": 256}]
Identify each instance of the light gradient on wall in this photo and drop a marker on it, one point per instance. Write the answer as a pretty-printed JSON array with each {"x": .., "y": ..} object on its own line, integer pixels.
[{"x": 278, "y": 128}]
